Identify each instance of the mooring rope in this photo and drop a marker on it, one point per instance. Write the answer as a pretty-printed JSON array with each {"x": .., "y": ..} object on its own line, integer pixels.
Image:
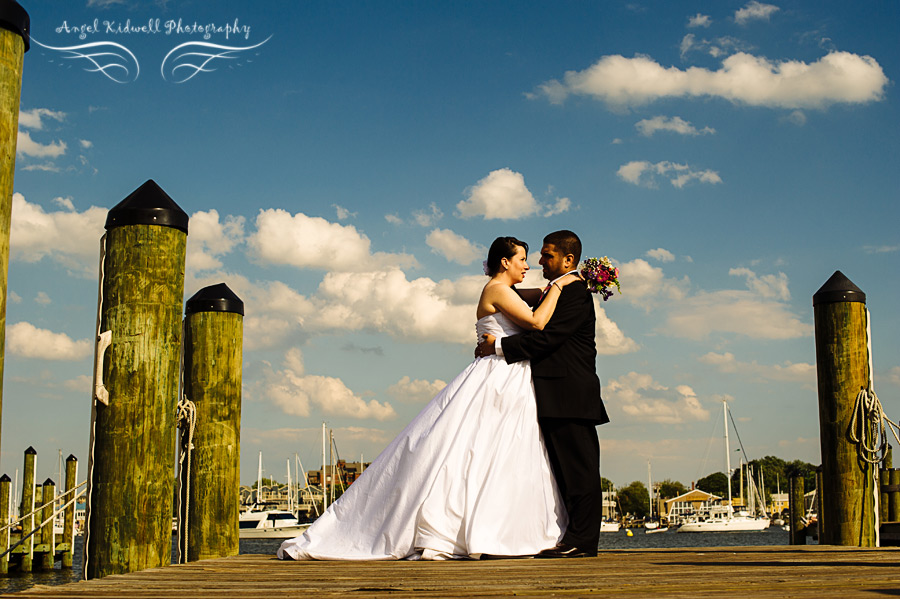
[{"x": 187, "y": 413}]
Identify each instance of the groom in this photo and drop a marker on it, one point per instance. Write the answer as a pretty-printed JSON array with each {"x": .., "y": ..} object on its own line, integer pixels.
[{"x": 569, "y": 406}]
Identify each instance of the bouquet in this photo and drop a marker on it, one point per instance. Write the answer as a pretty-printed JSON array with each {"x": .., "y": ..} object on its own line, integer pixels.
[{"x": 600, "y": 276}]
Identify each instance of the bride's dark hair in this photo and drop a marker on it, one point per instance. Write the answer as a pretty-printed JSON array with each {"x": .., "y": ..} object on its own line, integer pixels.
[{"x": 503, "y": 247}]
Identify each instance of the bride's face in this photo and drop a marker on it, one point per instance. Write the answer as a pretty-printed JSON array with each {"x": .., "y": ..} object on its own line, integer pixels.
[{"x": 517, "y": 266}]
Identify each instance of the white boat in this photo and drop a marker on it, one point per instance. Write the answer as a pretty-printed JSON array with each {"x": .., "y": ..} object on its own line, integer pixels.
[
  {"x": 722, "y": 518},
  {"x": 270, "y": 524},
  {"x": 658, "y": 529},
  {"x": 609, "y": 526}
]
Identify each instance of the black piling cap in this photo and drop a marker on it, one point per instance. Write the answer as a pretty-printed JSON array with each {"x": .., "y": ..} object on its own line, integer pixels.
[
  {"x": 14, "y": 18},
  {"x": 215, "y": 298},
  {"x": 838, "y": 289},
  {"x": 147, "y": 205},
  {"x": 5, "y": 479},
  {"x": 49, "y": 483},
  {"x": 71, "y": 458},
  {"x": 30, "y": 451}
]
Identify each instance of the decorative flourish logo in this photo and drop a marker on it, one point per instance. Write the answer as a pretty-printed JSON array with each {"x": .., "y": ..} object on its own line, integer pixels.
[
  {"x": 199, "y": 60},
  {"x": 108, "y": 58},
  {"x": 181, "y": 64}
]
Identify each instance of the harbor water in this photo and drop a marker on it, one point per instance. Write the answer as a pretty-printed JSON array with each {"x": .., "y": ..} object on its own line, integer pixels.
[{"x": 15, "y": 581}]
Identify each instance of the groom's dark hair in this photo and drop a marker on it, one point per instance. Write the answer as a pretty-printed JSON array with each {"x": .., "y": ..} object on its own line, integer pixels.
[{"x": 566, "y": 242}]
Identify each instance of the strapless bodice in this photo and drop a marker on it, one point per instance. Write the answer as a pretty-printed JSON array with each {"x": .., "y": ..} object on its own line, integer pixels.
[{"x": 498, "y": 325}]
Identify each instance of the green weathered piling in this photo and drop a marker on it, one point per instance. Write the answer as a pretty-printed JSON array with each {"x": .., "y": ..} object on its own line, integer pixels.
[
  {"x": 210, "y": 491},
  {"x": 68, "y": 540},
  {"x": 798, "y": 511},
  {"x": 27, "y": 548},
  {"x": 894, "y": 495},
  {"x": 14, "y": 39},
  {"x": 131, "y": 481},
  {"x": 842, "y": 363},
  {"x": 5, "y": 484},
  {"x": 47, "y": 548}
]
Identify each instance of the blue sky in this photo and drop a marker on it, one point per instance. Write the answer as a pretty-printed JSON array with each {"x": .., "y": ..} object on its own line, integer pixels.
[{"x": 347, "y": 164}]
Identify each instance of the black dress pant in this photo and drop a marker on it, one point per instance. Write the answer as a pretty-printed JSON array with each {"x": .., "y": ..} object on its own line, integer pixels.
[{"x": 574, "y": 452}]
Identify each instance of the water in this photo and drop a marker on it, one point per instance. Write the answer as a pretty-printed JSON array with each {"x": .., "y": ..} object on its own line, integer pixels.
[{"x": 619, "y": 540}]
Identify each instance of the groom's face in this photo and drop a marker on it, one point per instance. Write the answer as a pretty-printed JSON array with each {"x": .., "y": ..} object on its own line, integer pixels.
[{"x": 555, "y": 264}]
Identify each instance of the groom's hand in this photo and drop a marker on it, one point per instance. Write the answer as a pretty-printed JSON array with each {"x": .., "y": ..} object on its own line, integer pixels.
[{"x": 486, "y": 347}]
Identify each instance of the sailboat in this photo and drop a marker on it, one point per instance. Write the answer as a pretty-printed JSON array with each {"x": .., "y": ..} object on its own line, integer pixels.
[
  {"x": 268, "y": 524},
  {"x": 651, "y": 525},
  {"x": 722, "y": 518}
]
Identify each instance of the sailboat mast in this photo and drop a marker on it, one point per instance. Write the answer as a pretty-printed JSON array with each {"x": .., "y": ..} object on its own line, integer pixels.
[
  {"x": 259, "y": 480},
  {"x": 727, "y": 453},
  {"x": 650, "y": 488},
  {"x": 324, "y": 465}
]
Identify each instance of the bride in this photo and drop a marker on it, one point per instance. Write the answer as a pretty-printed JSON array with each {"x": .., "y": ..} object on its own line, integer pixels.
[{"x": 469, "y": 476}]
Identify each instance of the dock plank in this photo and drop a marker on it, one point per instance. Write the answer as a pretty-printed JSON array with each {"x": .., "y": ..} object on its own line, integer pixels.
[{"x": 765, "y": 572}]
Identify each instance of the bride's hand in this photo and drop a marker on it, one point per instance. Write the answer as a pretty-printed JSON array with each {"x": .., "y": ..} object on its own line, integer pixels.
[{"x": 569, "y": 278}]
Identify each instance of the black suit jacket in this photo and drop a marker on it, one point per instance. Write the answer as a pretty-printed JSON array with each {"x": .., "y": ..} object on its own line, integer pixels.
[{"x": 563, "y": 359}]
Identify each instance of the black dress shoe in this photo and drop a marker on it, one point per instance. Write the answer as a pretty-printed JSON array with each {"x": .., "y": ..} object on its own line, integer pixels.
[{"x": 564, "y": 550}]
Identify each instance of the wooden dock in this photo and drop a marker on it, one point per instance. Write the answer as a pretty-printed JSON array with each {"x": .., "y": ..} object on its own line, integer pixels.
[{"x": 761, "y": 572}]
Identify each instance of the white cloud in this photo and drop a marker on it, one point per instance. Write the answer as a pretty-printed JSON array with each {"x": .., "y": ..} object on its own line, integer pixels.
[
  {"x": 500, "y": 195},
  {"x": 768, "y": 286},
  {"x": 881, "y": 249},
  {"x": 754, "y": 11},
  {"x": 28, "y": 147},
  {"x": 796, "y": 117},
  {"x": 69, "y": 238},
  {"x": 65, "y": 203},
  {"x": 789, "y": 372},
  {"x": 836, "y": 78},
  {"x": 453, "y": 247},
  {"x": 428, "y": 218},
  {"x": 80, "y": 384},
  {"x": 85, "y": 144},
  {"x": 33, "y": 119},
  {"x": 43, "y": 299},
  {"x": 210, "y": 239},
  {"x": 610, "y": 339},
  {"x": 313, "y": 242},
  {"x": 294, "y": 392},
  {"x": 407, "y": 390},
  {"x": 733, "y": 311},
  {"x": 558, "y": 207},
  {"x": 645, "y": 174},
  {"x": 25, "y": 339},
  {"x": 661, "y": 254},
  {"x": 643, "y": 399},
  {"x": 893, "y": 376},
  {"x": 647, "y": 127},
  {"x": 643, "y": 282},
  {"x": 386, "y": 302},
  {"x": 393, "y": 219},
  {"x": 699, "y": 20},
  {"x": 342, "y": 213}
]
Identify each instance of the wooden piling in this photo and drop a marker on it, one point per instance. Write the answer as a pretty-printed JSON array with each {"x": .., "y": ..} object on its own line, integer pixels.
[
  {"x": 5, "y": 484},
  {"x": 817, "y": 504},
  {"x": 894, "y": 495},
  {"x": 798, "y": 510},
  {"x": 47, "y": 548},
  {"x": 68, "y": 540},
  {"x": 131, "y": 480},
  {"x": 210, "y": 491},
  {"x": 27, "y": 506},
  {"x": 14, "y": 40},
  {"x": 842, "y": 364}
]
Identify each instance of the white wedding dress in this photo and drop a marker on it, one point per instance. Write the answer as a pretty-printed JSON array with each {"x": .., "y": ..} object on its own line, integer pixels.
[{"x": 468, "y": 476}]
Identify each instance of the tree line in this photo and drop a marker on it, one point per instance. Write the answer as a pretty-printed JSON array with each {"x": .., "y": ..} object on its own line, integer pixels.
[{"x": 634, "y": 499}]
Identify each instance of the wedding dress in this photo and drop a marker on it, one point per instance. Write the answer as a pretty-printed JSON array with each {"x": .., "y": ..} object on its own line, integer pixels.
[{"x": 468, "y": 476}]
